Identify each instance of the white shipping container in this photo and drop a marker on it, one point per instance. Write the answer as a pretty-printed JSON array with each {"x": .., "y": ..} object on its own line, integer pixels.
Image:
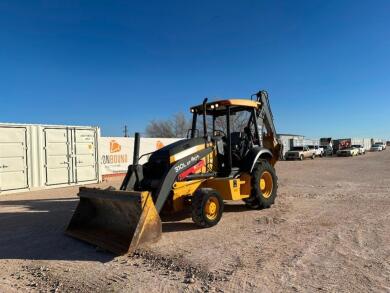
[
  {"x": 365, "y": 142},
  {"x": 45, "y": 156},
  {"x": 304, "y": 141},
  {"x": 287, "y": 140}
]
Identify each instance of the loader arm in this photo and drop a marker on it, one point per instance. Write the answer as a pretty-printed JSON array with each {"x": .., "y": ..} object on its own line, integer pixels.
[
  {"x": 171, "y": 176},
  {"x": 134, "y": 176}
]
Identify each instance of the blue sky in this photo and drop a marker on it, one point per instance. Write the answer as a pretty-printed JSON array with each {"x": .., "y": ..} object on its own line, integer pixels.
[{"x": 325, "y": 64}]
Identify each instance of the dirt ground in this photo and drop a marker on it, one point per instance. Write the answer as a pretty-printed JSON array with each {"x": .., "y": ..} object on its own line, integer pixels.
[{"x": 329, "y": 231}]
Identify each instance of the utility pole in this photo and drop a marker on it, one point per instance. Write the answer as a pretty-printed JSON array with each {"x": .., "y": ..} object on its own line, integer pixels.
[{"x": 125, "y": 132}]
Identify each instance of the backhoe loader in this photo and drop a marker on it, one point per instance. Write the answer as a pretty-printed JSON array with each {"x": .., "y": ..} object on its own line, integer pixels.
[{"x": 199, "y": 173}]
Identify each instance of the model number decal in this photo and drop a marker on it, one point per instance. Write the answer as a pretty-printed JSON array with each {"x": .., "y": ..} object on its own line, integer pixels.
[{"x": 184, "y": 165}]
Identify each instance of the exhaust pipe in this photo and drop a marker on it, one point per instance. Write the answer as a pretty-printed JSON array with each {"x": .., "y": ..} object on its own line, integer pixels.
[
  {"x": 133, "y": 170},
  {"x": 136, "y": 148}
]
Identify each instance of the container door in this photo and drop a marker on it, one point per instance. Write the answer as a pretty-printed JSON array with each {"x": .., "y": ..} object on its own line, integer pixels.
[
  {"x": 13, "y": 158},
  {"x": 57, "y": 156},
  {"x": 85, "y": 155}
]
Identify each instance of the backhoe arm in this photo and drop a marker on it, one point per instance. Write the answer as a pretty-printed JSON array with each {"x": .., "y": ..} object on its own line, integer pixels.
[{"x": 266, "y": 118}]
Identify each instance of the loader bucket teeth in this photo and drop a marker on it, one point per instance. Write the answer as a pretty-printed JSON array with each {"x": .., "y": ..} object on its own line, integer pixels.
[{"x": 118, "y": 221}]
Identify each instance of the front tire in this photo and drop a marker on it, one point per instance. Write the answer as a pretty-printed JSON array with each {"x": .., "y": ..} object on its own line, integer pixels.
[
  {"x": 264, "y": 186},
  {"x": 207, "y": 207}
]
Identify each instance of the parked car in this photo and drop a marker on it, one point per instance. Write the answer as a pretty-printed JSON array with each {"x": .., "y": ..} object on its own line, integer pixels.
[
  {"x": 300, "y": 153},
  {"x": 319, "y": 151},
  {"x": 328, "y": 150},
  {"x": 376, "y": 148},
  {"x": 381, "y": 144},
  {"x": 348, "y": 152},
  {"x": 362, "y": 150}
]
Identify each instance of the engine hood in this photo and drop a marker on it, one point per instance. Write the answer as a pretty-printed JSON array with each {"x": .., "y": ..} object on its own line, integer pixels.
[{"x": 178, "y": 150}]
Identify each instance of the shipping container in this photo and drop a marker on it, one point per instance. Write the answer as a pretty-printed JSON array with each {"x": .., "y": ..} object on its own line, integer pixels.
[
  {"x": 326, "y": 141},
  {"x": 365, "y": 142},
  {"x": 286, "y": 139},
  {"x": 36, "y": 156},
  {"x": 304, "y": 141}
]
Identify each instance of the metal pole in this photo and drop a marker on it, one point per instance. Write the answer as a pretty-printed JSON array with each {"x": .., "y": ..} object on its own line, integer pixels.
[
  {"x": 204, "y": 118},
  {"x": 229, "y": 141},
  {"x": 125, "y": 132}
]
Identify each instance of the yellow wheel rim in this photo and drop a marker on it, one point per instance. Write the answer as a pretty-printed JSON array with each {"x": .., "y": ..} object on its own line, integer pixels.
[
  {"x": 266, "y": 184},
  {"x": 212, "y": 208}
]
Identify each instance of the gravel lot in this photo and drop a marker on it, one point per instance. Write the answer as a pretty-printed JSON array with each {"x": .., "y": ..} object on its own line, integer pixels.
[{"x": 328, "y": 231}]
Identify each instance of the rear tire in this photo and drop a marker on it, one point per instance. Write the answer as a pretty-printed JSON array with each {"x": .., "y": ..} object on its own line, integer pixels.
[
  {"x": 313, "y": 156},
  {"x": 207, "y": 207},
  {"x": 301, "y": 157},
  {"x": 264, "y": 186}
]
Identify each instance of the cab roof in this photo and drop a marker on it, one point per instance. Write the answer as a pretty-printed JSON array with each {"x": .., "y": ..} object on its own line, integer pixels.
[{"x": 220, "y": 106}]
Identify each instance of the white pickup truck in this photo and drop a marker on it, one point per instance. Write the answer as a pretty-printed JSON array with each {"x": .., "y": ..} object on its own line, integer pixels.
[
  {"x": 362, "y": 150},
  {"x": 319, "y": 151},
  {"x": 381, "y": 144},
  {"x": 300, "y": 153}
]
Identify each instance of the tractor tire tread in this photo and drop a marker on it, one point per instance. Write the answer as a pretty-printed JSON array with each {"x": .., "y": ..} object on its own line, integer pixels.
[
  {"x": 197, "y": 207},
  {"x": 253, "y": 202}
]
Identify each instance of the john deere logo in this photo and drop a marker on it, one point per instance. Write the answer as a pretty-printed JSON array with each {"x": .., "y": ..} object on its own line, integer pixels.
[{"x": 114, "y": 146}]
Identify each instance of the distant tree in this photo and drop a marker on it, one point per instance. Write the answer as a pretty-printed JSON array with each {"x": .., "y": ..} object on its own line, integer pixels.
[
  {"x": 177, "y": 126},
  {"x": 238, "y": 122}
]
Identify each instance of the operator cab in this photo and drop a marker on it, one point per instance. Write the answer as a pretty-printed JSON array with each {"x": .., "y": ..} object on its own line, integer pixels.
[{"x": 232, "y": 124}]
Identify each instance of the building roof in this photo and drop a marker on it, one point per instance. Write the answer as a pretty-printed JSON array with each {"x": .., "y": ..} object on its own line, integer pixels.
[{"x": 289, "y": 134}]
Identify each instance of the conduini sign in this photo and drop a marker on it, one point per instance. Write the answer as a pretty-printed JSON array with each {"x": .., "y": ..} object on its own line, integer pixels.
[
  {"x": 116, "y": 153},
  {"x": 115, "y": 157}
]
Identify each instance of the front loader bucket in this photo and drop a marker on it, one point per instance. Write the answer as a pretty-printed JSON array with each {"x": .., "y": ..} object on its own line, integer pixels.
[{"x": 118, "y": 221}]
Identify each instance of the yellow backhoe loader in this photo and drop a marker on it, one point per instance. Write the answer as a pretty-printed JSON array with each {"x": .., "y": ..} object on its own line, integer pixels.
[{"x": 223, "y": 162}]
